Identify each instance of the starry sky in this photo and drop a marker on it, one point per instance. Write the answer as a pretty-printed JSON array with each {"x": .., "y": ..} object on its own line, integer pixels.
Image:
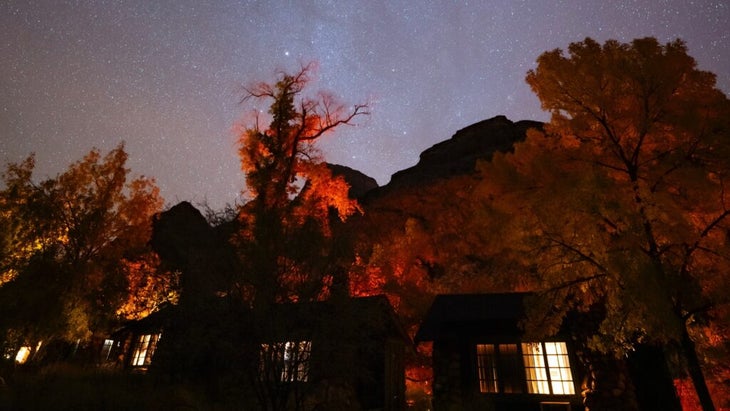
[{"x": 166, "y": 76}]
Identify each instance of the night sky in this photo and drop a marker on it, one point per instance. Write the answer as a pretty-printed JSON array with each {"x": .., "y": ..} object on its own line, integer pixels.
[{"x": 166, "y": 76}]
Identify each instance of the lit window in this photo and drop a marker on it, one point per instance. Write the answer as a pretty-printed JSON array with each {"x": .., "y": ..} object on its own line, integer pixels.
[
  {"x": 144, "y": 349},
  {"x": 285, "y": 361},
  {"x": 22, "y": 356},
  {"x": 106, "y": 349},
  {"x": 500, "y": 368},
  {"x": 547, "y": 368}
]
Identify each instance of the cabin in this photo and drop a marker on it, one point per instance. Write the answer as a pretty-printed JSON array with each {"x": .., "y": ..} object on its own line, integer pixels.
[
  {"x": 133, "y": 346},
  {"x": 348, "y": 352},
  {"x": 482, "y": 360}
]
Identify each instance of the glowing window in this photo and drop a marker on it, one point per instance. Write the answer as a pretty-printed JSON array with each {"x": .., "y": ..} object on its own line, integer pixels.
[
  {"x": 22, "y": 356},
  {"x": 285, "y": 361},
  {"x": 144, "y": 349},
  {"x": 106, "y": 349},
  {"x": 547, "y": 368}
]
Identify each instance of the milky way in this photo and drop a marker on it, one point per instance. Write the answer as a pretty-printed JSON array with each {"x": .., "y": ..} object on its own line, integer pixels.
[{"x": 166, "y": 76}]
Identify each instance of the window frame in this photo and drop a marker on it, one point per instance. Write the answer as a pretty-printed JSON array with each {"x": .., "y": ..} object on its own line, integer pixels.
[
  {"x": 106, "y": 349},
  {"x": 492, "y": 379},
  {"x": 144, "y": 349},
  {"x": 553, "y": 363},
  {"x": 23, "y": 354},
  {"x": 285, "y": 361},
  {"x": 500, "y": 357}
]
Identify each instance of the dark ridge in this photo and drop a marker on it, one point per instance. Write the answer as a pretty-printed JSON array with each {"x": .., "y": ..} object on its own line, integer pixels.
[
  {"x": 359, "y": 182},
  {"x": 459, "y": 154}
]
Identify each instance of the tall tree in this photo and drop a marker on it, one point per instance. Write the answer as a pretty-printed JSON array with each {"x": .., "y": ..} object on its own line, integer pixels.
[
  {"x": 286, "y": 242},
  {"x": 622, "y": 201},
  {"x": 294, "y": 192},
  {"x": 71, "y": 237}
]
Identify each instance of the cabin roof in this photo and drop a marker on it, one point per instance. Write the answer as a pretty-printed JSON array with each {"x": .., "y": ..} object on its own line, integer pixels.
[
  {"x": 498, "y": 312},
  {"x": 372, "y": 314}
]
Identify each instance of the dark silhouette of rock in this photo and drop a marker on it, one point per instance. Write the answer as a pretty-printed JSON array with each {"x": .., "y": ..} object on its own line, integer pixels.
[
  {"x": 427, "y": 203},
  {"x": 187, "y": 243},
  {"x": 459, "y": 154},
  {"x": 359, "y": 183}
]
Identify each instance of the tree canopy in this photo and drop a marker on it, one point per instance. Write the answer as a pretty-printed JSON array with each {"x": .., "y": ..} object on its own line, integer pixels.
[
  {"x": 621, "y": 202},
  {"x": 69, "y": 245},
  {"x": 287, "y": 239}
]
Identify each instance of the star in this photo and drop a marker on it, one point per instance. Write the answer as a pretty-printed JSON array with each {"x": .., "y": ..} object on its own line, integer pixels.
[{"x": 168, "y": 80}]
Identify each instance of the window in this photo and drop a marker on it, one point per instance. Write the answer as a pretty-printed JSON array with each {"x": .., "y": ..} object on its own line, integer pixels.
[
  {"x": 487, "y": 366},
  {"x": 541, "y": 367},
  {"x": 500, "y": 368},
  {"x": 144, "y": 349},
  {"x": 23, "y": 353},
  {"x": 547, "y": 368},
  {"x": 285, "y": 361},
  {"x": 106, "y": 350}
]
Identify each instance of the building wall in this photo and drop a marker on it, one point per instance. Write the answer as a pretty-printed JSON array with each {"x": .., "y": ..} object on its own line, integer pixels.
[{"x": 456, "y": 385}]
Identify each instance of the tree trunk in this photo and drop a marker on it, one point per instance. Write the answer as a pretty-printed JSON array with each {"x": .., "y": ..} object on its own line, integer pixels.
[{"x": 695, "y": 371}]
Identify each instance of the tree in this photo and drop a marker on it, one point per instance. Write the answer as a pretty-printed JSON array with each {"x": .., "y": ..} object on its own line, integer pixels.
[
  {"x": 294, "y": 191},
  {"x": 286, "y": 242},
  {"x": 69, "y": 239},
  {"x": 622, "y": 203}
]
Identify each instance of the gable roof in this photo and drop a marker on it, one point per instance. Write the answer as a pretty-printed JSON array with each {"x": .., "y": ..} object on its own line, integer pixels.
[
  {"x": 371, "y": 315},
  {"x": 484, "y": 313}
]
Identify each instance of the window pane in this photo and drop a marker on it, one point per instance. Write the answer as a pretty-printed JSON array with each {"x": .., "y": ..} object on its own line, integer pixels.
[
  {"x": 561, "y": 378},
  {"x": 510, "y": 368},
  {"x": 144, "y": 349},
  {"x": 285, "y": 361},
  {"x": 23, "y": 353},
  {"x": 535, "y": 372},
  {"x": 487, "y": 368},
  {"x": 107, "y": 349},
  {"x": 140, "y": 350},
  {"x": 544, "y": 387}
]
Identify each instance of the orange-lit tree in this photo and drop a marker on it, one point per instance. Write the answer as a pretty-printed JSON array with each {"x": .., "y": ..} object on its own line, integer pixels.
[
  {"x": 622, "y": 202},
  {"x": 69, "y": 238},
  {"x": 294, "y": 192},
  {"x": 286, "y": 242}
]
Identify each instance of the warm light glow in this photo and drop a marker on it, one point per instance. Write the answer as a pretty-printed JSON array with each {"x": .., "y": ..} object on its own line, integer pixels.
[
  {"x": 535, "y": 373},
  {"x": 559, "y": 365},
  {"x": 23, "y": 354},
  {"x": 106, "y": 349},
  {"x": 145, "y": 349},
  {"x": 547, "y": 368}
]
